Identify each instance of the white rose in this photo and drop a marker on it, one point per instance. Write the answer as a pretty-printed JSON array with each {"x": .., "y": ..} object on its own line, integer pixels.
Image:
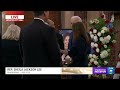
[
  {"x": 104, "y": 41},
  {"x": 113, "y": 41},
  {"x": 108, "y": 37},
  {"x": 94, "y": 56},
  {"x": 89, "y": 64},
  {"x": 105, "y": 62},
  {"x": 92, "y": 44},
  {"x": 102, "y": 31},
  {"x": 96, "y": 21},
  {"x": 92, "y": 60},
  {"x": 91, "y": 22},
  {"x": 94, "y": 31},
  {"x": 101, "y": 39},
  {"x": 92, "y": 36},
  {"x": 104, "y": 54},
  {"x": 90, "y": 32},
  {"x": 105, "y": 29},
  {"x": 108, "y": 50},
  {"x": 105, "y": 46},
  {"x": 90, "y": 55},
  {"x": 96, "y": 45},
  {"x": 95, "y": 38},
  {"x": 95, "y": 62},
  {"x": 99, "y": 34},
  {"x": 97, "y": 50}
]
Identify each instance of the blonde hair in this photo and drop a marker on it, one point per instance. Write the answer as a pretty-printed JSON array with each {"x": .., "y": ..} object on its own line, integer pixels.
[{"x": 12, "y": 33}]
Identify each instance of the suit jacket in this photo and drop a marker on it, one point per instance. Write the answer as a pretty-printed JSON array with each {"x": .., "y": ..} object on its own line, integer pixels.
[{"x": 39, "y": 46}]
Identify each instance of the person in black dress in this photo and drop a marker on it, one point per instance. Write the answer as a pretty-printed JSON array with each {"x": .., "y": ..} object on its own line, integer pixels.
[{"x": 10, "y": 51}]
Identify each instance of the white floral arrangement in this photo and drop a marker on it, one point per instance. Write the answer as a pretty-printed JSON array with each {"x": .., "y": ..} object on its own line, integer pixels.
[{"x": 103, "y": 38}]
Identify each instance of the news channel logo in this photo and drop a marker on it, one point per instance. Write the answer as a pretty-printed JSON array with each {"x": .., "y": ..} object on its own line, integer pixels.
[
  {"x": 14, "y": 16},
  {"x": 111, "y": 70},
  {"x": 103, "y": 70}
]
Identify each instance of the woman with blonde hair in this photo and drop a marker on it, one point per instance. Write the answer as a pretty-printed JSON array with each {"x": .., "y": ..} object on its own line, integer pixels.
[{"x": 10, "y": 49}]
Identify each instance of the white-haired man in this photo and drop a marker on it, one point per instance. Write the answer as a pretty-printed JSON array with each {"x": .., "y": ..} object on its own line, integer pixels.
[{"x": 75, "y": 19}]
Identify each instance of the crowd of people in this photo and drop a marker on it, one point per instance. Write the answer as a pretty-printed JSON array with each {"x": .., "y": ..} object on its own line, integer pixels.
[{"x": 39, "y": 44}]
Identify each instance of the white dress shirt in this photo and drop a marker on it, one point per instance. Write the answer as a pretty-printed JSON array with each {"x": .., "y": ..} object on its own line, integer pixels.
[{"x": 42, "y": 20}]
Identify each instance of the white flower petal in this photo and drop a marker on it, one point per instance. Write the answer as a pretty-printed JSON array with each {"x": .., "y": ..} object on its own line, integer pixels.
[
  {"x": 101, "y": 39},
  {"x": 99, "y": 34},
  {"x": 92, "y": 44},
  {"x": 97, "y": 50},
  {"x": 95, "y": 62},
  {"x": 94, "y": 31},
  {"x": 92, "y": 36},
  {"x": 92, "y": 60},
  {"x": 90, "y": 56},
  {"x": 102, "y": 31},
  {"x": 114, "y": 41},
  {"x": 105, "y": 46},
  {"x": 96, "y": 45}
]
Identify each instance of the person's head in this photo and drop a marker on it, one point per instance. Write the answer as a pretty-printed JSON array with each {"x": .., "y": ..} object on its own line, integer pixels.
[
  {"x": 12, "y": 32},
  {"x": 79, "y": 30},
  {"x": 75, "y": 19},
  {"x": 51, "y": 23},
  {"x": 66, "y": 40},
  {"x": 42, "y": 14}
]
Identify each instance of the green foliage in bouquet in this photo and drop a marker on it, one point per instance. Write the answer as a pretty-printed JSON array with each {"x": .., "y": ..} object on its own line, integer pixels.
[{"x": 100, "y": 24}]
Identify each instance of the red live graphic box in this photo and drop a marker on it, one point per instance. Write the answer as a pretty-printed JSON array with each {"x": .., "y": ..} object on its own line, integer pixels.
[
  {"x": 117, "y": 70},
  {"x": 14, "y": 15}
]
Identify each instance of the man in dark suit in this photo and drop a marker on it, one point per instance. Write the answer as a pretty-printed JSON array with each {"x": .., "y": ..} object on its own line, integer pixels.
[{"x": 39, "y": 45}]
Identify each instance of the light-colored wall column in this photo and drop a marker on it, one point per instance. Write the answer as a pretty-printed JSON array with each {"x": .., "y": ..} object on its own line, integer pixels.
[
  {"x": 4, "y": 23},
  {"x": 65, "y": 19}
]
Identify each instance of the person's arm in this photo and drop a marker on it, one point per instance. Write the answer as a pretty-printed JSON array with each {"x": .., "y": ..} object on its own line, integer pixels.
[{"x": 53, "y": 49}]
